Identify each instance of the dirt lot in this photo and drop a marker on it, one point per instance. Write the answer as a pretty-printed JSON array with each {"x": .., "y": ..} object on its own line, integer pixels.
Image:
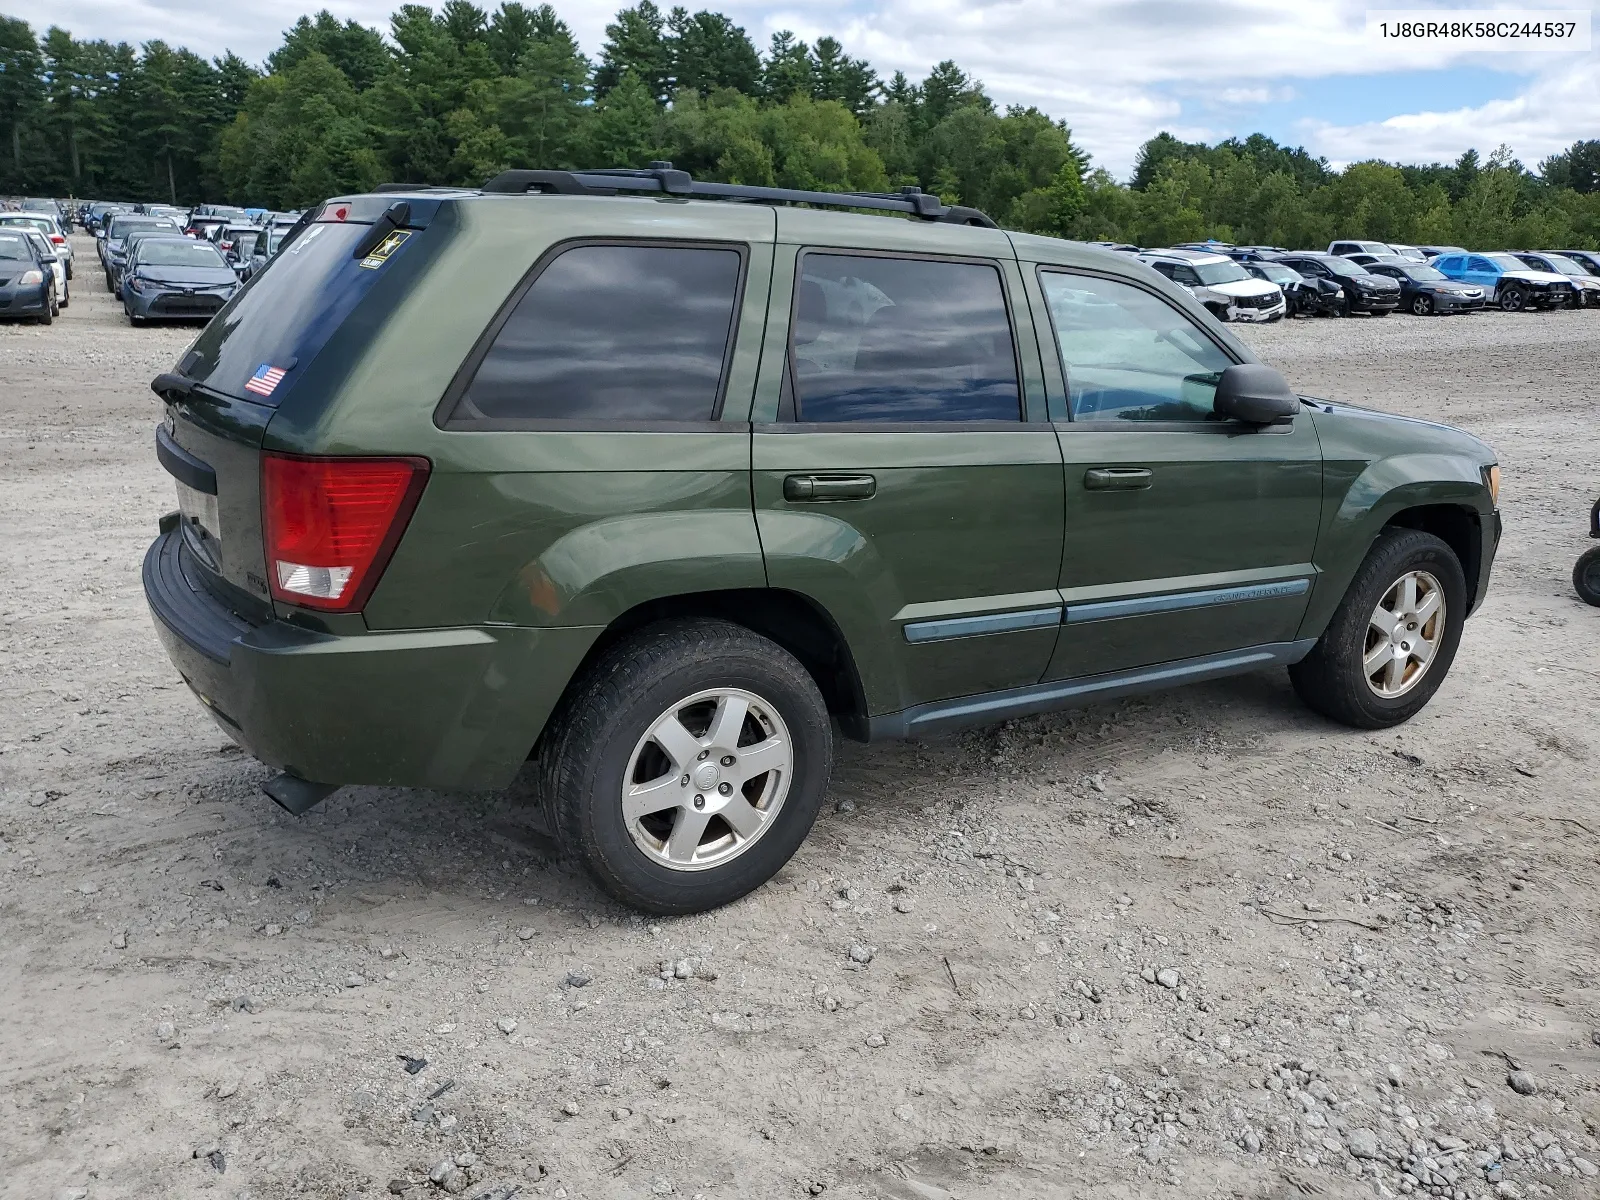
[{"x": 1364, "y": 935}]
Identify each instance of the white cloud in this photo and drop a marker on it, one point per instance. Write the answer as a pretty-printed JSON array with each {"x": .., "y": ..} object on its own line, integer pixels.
[
  {"x": 1116, "y": 70},
  {"x": 1552, "y": 112}
]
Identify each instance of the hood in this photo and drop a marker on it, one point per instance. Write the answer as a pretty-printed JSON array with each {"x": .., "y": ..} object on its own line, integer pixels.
[
  {"x": 1532, "y": 276},
  {"x": 206, "y": 277},
  {"x": 1425, "y": 437},
  {"x": 1243, "y": 287}
]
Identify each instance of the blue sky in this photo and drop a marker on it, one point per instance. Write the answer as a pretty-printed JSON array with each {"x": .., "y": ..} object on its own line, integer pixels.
[{"x": 1118, "y": 71}]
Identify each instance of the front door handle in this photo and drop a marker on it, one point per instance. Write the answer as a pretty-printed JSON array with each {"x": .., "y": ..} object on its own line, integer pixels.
[
  {"x": 802, "y": 488},
  {"x": 1112, "y": 479}
]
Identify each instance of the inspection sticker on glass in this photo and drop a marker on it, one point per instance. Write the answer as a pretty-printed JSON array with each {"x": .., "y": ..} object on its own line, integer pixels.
[{"x": 381, "y": 252}]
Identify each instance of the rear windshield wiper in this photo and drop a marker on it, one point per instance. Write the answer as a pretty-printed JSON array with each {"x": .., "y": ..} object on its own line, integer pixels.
[{"x": 174, "y": 386}]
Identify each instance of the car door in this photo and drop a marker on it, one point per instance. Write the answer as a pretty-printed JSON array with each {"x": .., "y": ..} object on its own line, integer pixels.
[
  {"x": 1186, "y": 535},
  {"x": 1479, "y": 270},
  {"x": 906, "y": 478}
]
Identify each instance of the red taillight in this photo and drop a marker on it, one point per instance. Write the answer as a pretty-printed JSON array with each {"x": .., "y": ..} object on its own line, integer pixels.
[
  {"x": 332, "y": 523},
  {"x": 58, "y": 239}
]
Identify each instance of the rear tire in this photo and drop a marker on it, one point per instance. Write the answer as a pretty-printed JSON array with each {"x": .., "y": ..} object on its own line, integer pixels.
[
  {"x": 601, "y": 747},
  {"x": 1334, "y": 678},
  {"x": 1586, "y": 577}
]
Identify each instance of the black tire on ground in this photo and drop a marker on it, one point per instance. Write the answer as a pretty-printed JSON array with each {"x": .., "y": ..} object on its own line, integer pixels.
[
  {"x": 1586, "y": 577},
  {"x": 49, "y": 313},
  {"x": 69, "y": 268},
  {"x": 1513, "y": 299},
  {"x": 110, "y": 287},
  {"x": 1220, "y": 312},
  {"x": 1331, "y": 680},
  {"x": 1344, "y": 309},
  {"x": 1422, "y": 305},
  {"x": 586, "y": 749}
]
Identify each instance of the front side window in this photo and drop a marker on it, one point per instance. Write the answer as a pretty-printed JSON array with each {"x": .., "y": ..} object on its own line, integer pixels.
[
  {"x": 613, "y": 333},
  {"x": 1128, "y": 355},
  {"x": 901, "y": 339}
]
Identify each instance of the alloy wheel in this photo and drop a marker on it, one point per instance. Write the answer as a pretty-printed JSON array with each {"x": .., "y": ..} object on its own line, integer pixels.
[
  {"x": 1404, "y": 634},
  {"x": 1421, "y": 305},
  {"x": 707, "y": 779}
]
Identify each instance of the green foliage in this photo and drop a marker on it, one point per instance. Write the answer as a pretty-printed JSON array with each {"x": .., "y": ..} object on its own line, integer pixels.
[{"x": 459, "y": 94}]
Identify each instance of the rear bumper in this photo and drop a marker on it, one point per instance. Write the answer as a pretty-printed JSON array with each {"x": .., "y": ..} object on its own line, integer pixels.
[{"x": 453, "y": 709}]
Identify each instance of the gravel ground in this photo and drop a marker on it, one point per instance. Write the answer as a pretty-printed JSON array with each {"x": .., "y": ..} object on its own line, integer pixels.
[{"x": 1195, "y": 945}]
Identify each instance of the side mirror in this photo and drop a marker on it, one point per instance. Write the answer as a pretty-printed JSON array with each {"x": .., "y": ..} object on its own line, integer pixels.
[{"x": 1255, "y": 394}]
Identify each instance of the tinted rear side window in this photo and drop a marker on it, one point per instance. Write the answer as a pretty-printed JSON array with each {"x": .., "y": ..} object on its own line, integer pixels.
[
  {"x": 612, "y": 333},
  {"x": 896, "y": 339}
]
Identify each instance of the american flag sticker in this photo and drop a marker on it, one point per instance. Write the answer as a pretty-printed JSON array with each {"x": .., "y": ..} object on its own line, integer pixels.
[{"x": 265, "y": 380}]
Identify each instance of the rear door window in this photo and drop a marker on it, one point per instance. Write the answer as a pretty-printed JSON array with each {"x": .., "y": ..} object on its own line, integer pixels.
[
  {"x": 275, "y": 325},
  {"x": 612, "y": 333},
  {"x": 896, "y": 339}
]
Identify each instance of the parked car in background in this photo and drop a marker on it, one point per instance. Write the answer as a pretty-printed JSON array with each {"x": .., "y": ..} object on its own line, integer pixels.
[
  {"x": 260, "y": 252},
  {"x": 1360, "y": 290},
  {"x": 1586, "y": 285},
  {"x": 1222, "y": 285},
  {"x": 1424, "y": 290},
  {"x": 1366, "y": 260},
  {"x": 48, "y": 253},
  {"x": 1302, "y": 297},
  {"x": 1410, "y": 253},
  {"x": 61, "y": 244},
  {"x": 176, "y": 276},
  {"x": 99, "y": 212},
  {"x": 113, "y": 252},
  {"x": 1507, "y": 281},
  {"x": 1433, "y": 252},
  {"x": 1123, "y": 247},
  {"x": 235, "y": 240},
  {"x": 201, "y": 227},
  {"x": 1589, "y": 260},
  {"x": 1348, "y": 248},
  {"x": 27, "y": 279}
]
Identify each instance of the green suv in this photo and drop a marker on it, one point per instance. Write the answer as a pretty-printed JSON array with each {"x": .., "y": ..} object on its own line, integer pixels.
[{"x": 657, "y": 482}]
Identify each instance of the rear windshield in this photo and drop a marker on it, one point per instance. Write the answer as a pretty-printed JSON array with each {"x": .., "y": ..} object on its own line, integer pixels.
[
  {"x": 121, "y": 227},
  {"x": 175, "y": 253},
  {"x": 284, "y": 315}
]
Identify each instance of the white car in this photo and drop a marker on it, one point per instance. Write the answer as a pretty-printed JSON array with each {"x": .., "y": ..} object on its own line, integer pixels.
[
  {"x": 57, "y": 266},
  {"x": 60, "y": 243},
  {"x": 1222, "y": 285}
]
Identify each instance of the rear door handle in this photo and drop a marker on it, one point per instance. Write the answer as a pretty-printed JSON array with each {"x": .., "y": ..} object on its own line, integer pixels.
[
  {"x": 829, "y": 487},
  {"x": 1110, "y": 479}
]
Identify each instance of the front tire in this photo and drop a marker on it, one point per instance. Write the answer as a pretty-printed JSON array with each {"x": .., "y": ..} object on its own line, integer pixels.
[
  {"x": 1586, "y": 577},
  {"x": 1422, "y": 305},
  {"x": 1393, "y": 637},
  {"x": 686, "y": 765},
  {"x": 1513, "y": 299}
]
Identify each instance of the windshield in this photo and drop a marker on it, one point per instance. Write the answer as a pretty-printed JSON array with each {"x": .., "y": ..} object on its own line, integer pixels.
[
  {"x": 1343, "y": 266},
  {"x": 1277, "y": 272},
  {"x": 14, "y": 248},
  {"x": 1509, "y": 262},
  {"x": 175, "y": 253},
  {"x": 42, "y": 224},
  {"x": 1220, "y": 272},
  {"x": 1565, "y": 265},
  {"x": 122, "y": 226}
]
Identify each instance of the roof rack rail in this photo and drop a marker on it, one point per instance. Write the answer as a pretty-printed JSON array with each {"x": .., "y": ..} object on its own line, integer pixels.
[{"x": 664, "y": 179}]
